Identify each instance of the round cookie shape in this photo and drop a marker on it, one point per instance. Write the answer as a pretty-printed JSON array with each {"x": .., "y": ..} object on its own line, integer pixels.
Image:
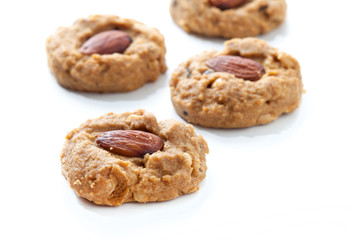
[
  {"x": 218, "y": 99},
  {"x": 107, "y": 178},
  {"x": 249, "y": 19},
  {"x": 141, "y": 62}
]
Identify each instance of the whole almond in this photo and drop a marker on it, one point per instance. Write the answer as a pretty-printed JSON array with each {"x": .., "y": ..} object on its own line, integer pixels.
[
  {"x": 130, "y": 143},
  {"x": 244, "y": 68},
  {"x": 227, "y": 4},
  {"x": 107, "y": 42}
]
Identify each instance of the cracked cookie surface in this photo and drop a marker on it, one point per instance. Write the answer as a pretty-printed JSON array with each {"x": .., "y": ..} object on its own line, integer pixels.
[
  {"x": 208, "y": 98},
  {"x": 107, "y": 178},
  {"x": 254, "y": 17},
  {"x": 143, "y": 61}
]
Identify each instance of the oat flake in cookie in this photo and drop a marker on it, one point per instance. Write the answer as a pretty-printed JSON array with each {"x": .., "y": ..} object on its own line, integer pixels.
[
  {"x": 248, "y": 83},
  {"x": 131, "y": 157},
  {"x": 106, "y": 53},
  {"x": 228, "y": 18}
]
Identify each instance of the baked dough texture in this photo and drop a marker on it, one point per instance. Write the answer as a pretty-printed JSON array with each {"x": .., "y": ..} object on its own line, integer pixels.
[
  {"x": 253, "y": 18},
  {"x": 143, "y": 61},
  {"x": 221, "y": 100},
  {"x": 106, "y": 178}
]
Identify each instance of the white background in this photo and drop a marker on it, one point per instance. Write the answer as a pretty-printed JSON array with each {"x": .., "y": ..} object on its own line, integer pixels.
[{"x": 296, "y": 178}]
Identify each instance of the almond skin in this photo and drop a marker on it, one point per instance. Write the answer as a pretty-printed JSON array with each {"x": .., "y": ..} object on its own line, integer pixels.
[
  {"x": 107, "y": 42},
  {"x": 130, "y": 143},
  {"x": 226, "y": 4},
  {"x": 244, "y": 68}
]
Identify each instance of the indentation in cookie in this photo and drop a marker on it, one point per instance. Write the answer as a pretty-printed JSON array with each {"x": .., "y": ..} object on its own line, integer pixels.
[
  {"x": 188, "y": 73},
  {"x": 208, "y": 71},
  {"x": 262, "y": 9},
  {"x": 221, "y": 100},
  {"x": 104, "y": 68}
]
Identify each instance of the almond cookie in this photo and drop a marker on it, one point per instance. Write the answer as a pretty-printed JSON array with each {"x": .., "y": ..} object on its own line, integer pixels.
[
  {"x": 106, "y": 53},
  {"x": 248, "y": 83},
  {"x": 131, "y": 157},
  {"x": 228, "y": 18}
]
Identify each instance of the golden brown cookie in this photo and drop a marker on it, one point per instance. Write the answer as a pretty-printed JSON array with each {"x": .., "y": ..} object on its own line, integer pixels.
[
  {"x": 124, "y": 55},
  {"x": 248, "y": 83},
  {"x": 228, "y": 18},
  {"x": 131, "y": 157}
]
